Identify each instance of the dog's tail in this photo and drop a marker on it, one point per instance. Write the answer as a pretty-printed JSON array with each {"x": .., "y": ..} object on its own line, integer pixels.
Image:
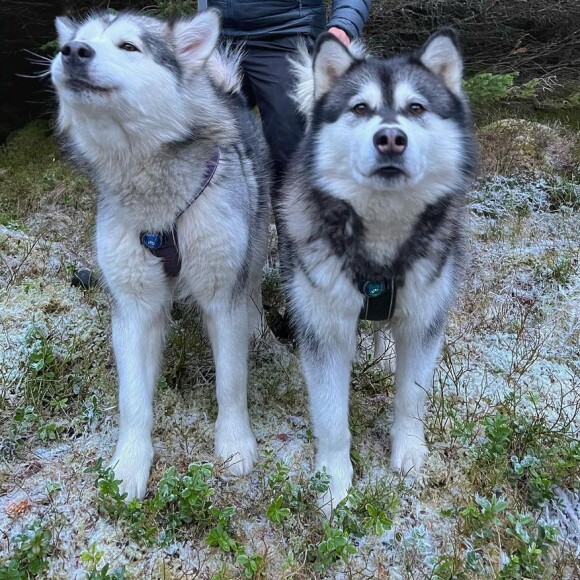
[
  {"x": 301, "y": 67},
  {"x": 224, "y": 67},
  {"x": 303, "y": 73}
]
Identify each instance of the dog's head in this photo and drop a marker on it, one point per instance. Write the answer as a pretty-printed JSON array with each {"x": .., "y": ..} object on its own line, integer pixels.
[
  {"x": 130, "y": 67},
  {"x": 389, "y": 124}
]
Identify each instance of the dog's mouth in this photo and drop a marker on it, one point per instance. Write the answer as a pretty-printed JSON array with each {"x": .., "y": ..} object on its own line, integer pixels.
[
  {"x": 389, "y": 172},
  {"x": 81, "y": 85}
]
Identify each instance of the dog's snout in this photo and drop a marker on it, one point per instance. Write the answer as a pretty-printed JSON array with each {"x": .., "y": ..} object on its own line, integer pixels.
[
  {"x": 77, "y": 53},
  {"x": 390, "y": 140}
]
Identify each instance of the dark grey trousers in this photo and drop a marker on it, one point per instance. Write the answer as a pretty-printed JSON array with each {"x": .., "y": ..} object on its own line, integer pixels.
[{"x": 267, "y": 85}]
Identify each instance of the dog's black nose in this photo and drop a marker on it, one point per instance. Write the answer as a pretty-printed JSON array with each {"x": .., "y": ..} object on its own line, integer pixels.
[
  {"x": 390, "y": 140},
  {"x": 76, "y": 53}
]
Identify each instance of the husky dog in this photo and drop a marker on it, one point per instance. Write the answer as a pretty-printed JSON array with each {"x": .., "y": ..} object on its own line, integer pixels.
[
  {"x": 373, "y": 227},
  {"x": 154, "y": 112}
]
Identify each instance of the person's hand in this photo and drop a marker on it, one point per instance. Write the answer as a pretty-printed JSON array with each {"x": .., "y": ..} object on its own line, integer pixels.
[{"x": 340, "y": 34}]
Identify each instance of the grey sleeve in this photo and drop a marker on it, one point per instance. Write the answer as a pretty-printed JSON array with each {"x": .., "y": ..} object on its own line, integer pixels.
[{"x": 350, "y": 15}]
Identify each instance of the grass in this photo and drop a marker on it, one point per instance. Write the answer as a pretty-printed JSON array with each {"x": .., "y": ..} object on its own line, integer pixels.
[
  {"x": 502, "y": 423},
  {"x": 31, "y": 173}
]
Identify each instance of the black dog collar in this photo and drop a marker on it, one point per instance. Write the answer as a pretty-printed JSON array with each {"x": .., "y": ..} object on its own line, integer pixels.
[
  {"x": 380, "y": 298},
  {"x": 164, "y": 244}
]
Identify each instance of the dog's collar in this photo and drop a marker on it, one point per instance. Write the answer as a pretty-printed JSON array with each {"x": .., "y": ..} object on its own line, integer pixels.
[
  {"x": 164, "y": 244},
  {"x": 380, "y": 297}
]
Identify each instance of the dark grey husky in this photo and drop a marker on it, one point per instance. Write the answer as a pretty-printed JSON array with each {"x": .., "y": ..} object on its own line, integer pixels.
[{"x": 373, "y": 226}]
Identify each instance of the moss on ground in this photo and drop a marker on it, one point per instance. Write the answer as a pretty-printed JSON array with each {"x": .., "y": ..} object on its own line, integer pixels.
[{"x": 32, "y": 175}]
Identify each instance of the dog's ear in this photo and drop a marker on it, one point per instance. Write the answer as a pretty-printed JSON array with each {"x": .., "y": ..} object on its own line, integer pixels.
[
  {"x": 331, "y": 60},
  {"x": 65, "y": 29},
  {"x": 195, "y": 38},
  {"x": 441, "y": 55}
]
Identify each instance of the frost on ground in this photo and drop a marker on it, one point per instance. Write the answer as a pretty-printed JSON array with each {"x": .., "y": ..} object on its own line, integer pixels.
[{"x": 499, "y": 492}]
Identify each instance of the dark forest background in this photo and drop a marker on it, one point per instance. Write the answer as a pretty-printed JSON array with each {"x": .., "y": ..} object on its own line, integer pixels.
[{"x": 537, "y": 39}]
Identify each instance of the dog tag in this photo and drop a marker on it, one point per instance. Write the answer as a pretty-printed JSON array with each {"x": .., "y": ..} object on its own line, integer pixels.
[
  {"x": 373, "y": 289},
  {"x": 151, "y": 240},
  {"x": 380, "y": 298}
]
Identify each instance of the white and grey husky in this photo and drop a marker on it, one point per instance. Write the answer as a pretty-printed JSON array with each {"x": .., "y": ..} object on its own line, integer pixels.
[
  {"x": 153, "y": 111},
  {"x": 373, "y": 226}
]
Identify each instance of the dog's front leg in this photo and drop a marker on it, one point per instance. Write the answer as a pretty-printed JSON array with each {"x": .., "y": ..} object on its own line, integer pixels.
[
  {"x": 327, "y": 375},
  {"x": 139, "y": 329},
  {"x": 417, "y": 349},
  {"x": 228, "y": 328},
  {"x": 327, "y": 346}
]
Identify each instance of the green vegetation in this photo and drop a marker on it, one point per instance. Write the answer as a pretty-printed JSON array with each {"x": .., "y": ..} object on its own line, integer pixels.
[
  {"x": 31, "y": 174},
  {"x": 521, "y": 541},
  {"x": 45, "y": 368},
  {"x": 31, "y": 551},
  {"x": 92, "y": 559},
  {"x": 179, "y": 500},
  {"x": 180, "y": 503},
  {"x": 369, "y": 511}
]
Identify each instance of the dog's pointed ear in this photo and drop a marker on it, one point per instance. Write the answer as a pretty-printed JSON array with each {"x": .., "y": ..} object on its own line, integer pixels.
[
  {"x": 195, "y": 38},
  {"x": 442, "y": 56},
  {"x": 65, "y": 29},
  {"x": 331, "y": 60}
]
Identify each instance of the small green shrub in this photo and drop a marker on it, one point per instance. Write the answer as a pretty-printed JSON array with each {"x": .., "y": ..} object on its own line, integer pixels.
[
  {"x": 525, "y": 540},
  {"x": 485, "y": 88},
  {"x": 92, "y": 560},
  {"x": 526, "y": 453},
  {"x": 488, "y": 88},
  {"x": 334, "y": 546},
  {"x": 180, "y": 501},
  {"x": 32, "y": 548},
  {"x": 530, "y": 542},
  {"x": 50, "y": 432},
  {"x": 276, "y": 512},
  {"x": 367, "y": 511},
  {"x": 24, "y": 420},
  {"x": 290, "y": 496},
  {"x": 252, "y": 565},
  {"x": 47, "y": 368},
  {"x": 496, "y": 538}
]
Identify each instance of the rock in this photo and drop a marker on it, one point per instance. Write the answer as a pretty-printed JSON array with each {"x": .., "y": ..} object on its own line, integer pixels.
[{"x": 85, "y": 279}]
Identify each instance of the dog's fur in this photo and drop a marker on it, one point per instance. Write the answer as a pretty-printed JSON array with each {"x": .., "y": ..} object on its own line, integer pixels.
[
  {"x": 144, "y": 119},
  {"x": 351, "y": 212}
]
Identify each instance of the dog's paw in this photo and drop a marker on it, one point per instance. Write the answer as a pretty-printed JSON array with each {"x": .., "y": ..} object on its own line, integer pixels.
[
  {"x": 408, "y": 450},
  {"x": 132, "y": 467},
  {"x": 237, "y": 447},
  {"x": 340, "y": 471}
]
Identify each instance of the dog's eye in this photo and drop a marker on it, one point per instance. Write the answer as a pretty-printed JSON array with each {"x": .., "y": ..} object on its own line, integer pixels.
[
  {"x": 360, "y": 109},
  {"x": 416, "y": 109},
  {"x": 128, "y": 47}
]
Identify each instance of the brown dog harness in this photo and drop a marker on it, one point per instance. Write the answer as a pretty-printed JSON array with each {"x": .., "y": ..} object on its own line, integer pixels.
[{"x": 164, "y": 244}]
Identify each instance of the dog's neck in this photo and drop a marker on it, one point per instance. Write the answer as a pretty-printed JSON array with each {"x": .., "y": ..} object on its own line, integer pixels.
[
  {"x": 130, "y": 136},
  {"x": 111, "y": 142}
]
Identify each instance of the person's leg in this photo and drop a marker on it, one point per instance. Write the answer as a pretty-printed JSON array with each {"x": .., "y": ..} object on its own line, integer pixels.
[
  {"x": 267, "y": 72},
  {"x": 267, "y": 69}
]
